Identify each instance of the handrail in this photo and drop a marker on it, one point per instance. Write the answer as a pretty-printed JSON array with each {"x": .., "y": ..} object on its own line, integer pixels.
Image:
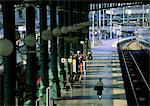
[
  {"x": 47, "y": 96},
  {"x": 37, "y": 101},
  {"x": 49, "y": 102},
  {"x": 140, "y": 71},
  {"x": 129, "y": 78}
]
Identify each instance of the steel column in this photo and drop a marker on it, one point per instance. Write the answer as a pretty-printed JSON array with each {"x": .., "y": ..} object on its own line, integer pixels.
[
  {"x": 9, "y": 61},
  {"x": 31, "y": 59},
  {"x": 44, "y": 83},
  {"x": 54, "y": 77}
]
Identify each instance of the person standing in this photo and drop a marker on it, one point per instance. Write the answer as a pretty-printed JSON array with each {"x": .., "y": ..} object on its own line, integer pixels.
[{"x": 99, "y": 88}]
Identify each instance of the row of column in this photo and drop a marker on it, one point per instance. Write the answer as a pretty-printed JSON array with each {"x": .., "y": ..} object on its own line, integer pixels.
[{"x": 59, "y": 49}]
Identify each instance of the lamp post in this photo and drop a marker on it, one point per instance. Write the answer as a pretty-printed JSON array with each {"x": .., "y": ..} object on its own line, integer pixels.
[
  {"x": 10, "y": 58},
  {"x": 66, "y": 44},
  {"x": 60, "y": 12},
  {"x": 30, "y": 41},
  {"x": 54, "y": 84},
  {"x": 6, "y": 49},
  {"x": 44, "y": 37},
  {"x": 30, "y": 96}
]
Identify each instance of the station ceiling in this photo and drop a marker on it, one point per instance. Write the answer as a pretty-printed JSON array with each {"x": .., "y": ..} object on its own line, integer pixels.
[{"x": 89, "y": 1}]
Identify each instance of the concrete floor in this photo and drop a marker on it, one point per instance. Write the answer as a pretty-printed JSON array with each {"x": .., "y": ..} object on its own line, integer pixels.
[{"x": 105, "y": 64}]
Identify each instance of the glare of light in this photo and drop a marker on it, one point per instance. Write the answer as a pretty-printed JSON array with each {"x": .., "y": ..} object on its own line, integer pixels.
[
  {"x": 81, "y": 42},
  {"x": 118, "y": 32},
  {"x": 136, "y": 32},
  {"x": 139, "y": 36},
  {"x": 24, "y": 62},
  {"x": 22, "y": 28},
  {"x": 93, "y": 12},
  {"x": 147, "y": 10},
  {"x": 114, "y": 44},
  {"x": 109, "y": 12},
  {"x": 95, "y": 33},
  {"x": 78, "y": 52}
]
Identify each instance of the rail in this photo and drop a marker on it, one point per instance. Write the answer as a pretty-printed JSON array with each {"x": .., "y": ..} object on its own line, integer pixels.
[
  {"x": 139, "y": 70},
  {"x": 130, "y": 79},
  {"x": 134, "y": 74}
]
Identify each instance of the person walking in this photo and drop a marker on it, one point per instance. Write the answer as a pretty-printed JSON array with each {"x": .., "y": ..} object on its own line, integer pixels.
[{"x": 99, "y": 88}]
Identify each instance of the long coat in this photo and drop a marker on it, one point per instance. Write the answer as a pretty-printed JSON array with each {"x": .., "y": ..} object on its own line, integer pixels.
[
  {"x": 99, "y": 90},
  {"x": 99, "y": 87}
]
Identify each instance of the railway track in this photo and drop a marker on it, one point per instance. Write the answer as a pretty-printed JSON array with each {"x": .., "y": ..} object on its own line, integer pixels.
[{"x": 136, "y": 84}]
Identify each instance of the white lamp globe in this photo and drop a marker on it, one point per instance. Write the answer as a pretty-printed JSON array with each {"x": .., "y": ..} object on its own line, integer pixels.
[
  {"x": 75, "y": 27},
  {"x": 85, "y": 30},
  {"x": 56, "y": 31},
  {"x": 30, "y": 40},
  {"x": 71, "y": 28},
  {"x": 6, "y": 47},
  {"x": 78, "y": 26},
  {"x": 84, "y": 24},
  {"x": 46, "y": 35},
  {"x": 81, "y": 24},
  {"x": 64, "y": 30}
]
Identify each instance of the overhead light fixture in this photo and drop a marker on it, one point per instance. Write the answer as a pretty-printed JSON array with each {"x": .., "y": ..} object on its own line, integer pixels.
[
  {"x": 56, "y": 31},
  {"x": 64, "y": 30},
  {"x": 30, "y": 40},
  {"x": 6, "y": 47},
  {"x": 46, "y": 35},
  {"x": 71, "y": 28}
]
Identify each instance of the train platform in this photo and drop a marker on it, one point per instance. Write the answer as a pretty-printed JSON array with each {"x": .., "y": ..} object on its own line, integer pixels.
[{"x": 105, "y": 64}]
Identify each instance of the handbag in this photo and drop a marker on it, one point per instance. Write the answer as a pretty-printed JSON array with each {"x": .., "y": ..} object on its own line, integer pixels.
[{"x": 96, "y": 88}]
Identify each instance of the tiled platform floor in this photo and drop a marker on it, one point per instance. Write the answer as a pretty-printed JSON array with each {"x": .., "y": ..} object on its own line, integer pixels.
[{"x": 105, "y": 64}]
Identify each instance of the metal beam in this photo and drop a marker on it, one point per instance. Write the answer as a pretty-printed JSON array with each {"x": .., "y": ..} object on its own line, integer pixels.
[{"x": 116, "y": 5}]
